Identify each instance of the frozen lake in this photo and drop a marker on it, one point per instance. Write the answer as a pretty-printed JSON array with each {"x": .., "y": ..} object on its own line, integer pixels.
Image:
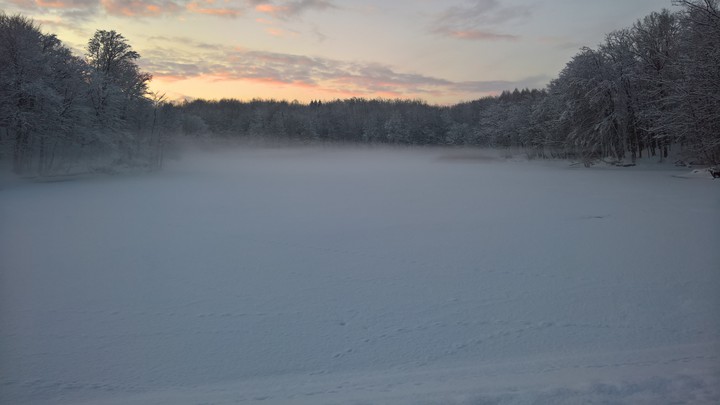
[{"x": 306, "y": 276}]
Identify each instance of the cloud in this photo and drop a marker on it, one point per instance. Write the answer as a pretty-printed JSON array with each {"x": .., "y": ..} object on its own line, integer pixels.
[
  {"x": 187, "y": 42},
  {"x": 328, "y": 75},
  {"x": 482, "y": 12},
  {"x": 470, "y": 22},
  {"x": 64, "y": 4},
  {"x": 69, "y": 11},
  {"x": 278, "y": 13},
  {"x": 140, "y": 8},
  {"x": 276, "y": 32},
  {"x": 210, "y": 7},
  {"x": 318, "y": 34},
  {"x": 58, "y": 23},
  {"x": 287, "y": 9},
  {"x": 156, "y": 8},
  {"x": 54, "y": 4},
  {"x": 375, "y": 77},
  {"x": 476, "y": 35},
  {"x": 75, "y": 10}
]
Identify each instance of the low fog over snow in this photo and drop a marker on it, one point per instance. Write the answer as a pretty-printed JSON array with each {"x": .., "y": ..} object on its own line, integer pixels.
[{"x": 306, "y": 276}]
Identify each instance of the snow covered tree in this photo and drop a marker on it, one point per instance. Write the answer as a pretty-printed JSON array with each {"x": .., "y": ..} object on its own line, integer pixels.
[
  {"x": 41, "y": 95},
  {"x": 396, "y": 130},
  {"x": 655, "y": 45},
  {"x": 118, "y": 91},
  {"x": 696, "y": 95},
  {"x": 590, "y": 119},
  {"x": 115, "y": 63}
]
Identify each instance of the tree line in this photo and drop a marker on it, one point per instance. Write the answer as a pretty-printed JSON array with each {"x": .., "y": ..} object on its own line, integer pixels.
[
  {"x": 59, "y": 110},
  {"x": 644, "y": 90}
]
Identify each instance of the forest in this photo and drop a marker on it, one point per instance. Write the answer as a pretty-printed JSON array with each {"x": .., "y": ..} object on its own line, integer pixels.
[{"x": 644, "y": 91}]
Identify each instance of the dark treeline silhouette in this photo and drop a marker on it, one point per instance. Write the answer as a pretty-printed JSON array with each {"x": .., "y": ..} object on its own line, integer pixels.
[
  {"x": 646, "y": 89},
  {"x": 493, "y": 121}
]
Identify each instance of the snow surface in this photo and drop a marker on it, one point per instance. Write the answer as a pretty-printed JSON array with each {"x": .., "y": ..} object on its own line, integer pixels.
[{"x": 305, "y": 276}]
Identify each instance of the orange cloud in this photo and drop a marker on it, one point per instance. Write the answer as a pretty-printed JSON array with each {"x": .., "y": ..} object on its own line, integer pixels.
[
  {"x": 74, "y": 9},
  {"x": 56, "y": 4},
  {"x": 288, "y": 76},
  {"x": 269, "y": 8},
  {"x": 139, "y": 8},
  {"x": 275, "y": 32},
  {"x": 52, "y": 4},
  {"x": 293, "y": 8},
  {"x": 206, "y": 7}
]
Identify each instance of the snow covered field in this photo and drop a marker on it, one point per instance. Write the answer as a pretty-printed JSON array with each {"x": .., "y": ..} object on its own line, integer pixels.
[{"x": 306, "y": 276}]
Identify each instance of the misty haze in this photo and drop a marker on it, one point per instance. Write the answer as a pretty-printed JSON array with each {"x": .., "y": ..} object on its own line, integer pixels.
[{"x": 361, "y": 276}]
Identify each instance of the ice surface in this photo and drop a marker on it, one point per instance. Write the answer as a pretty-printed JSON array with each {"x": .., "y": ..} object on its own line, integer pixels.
[{"x": 306, "y": 276}]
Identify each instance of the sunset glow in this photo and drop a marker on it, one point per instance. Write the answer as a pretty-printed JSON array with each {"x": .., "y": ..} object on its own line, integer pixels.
[{"x": 439, "y": 51}]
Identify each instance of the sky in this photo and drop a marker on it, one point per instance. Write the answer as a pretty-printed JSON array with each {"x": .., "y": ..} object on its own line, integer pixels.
[{"x": 439, "y": 51}]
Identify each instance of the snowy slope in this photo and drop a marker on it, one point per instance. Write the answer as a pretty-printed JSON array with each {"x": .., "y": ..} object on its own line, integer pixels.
[{"x": 306, "y": 277}]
